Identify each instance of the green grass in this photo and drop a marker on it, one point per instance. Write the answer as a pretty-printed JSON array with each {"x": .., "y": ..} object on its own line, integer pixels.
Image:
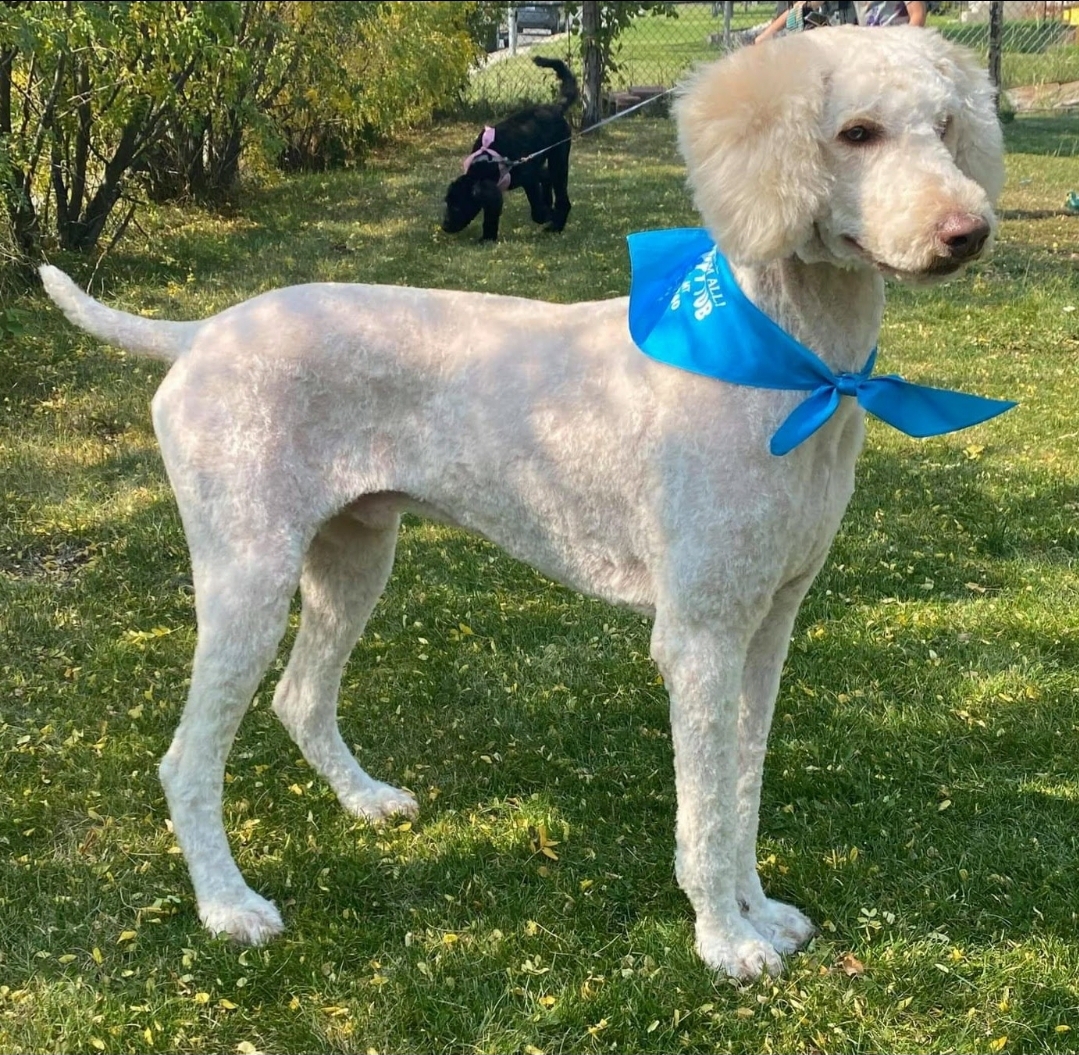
[{"x": 921, "y": 798}]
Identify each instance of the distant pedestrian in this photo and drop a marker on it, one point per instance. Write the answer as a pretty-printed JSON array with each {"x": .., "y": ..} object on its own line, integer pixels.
[
  {"x": 808, "y": 14},
  {"x": 896, "y": 13}
]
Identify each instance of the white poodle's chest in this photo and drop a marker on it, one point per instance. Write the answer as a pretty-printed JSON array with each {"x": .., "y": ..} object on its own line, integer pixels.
[{"x": 826, "y": 488}]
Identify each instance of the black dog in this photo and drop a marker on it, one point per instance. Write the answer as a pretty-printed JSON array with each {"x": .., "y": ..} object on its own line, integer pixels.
[{"x": 490, "y": 168}]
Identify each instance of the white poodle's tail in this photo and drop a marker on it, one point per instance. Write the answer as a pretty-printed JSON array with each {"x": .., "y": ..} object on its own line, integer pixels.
[{"x": 153, "y": 337}]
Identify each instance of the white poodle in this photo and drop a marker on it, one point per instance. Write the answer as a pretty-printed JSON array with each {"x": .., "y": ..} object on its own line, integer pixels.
[{"x": 298, "y": 426}]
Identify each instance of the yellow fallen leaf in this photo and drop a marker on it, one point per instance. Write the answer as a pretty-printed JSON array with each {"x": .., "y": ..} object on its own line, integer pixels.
[
  {"x": 228, "y": 1005},
  {"x": 68, "y": 957},
  {"x": 998, "y": 1044},
  {"x": 851, "y": 965},
  {"x": 127, "y": 935},
  {"x": 202, "y": 998},
  {"x": 96, "y": 956},
  {"x": 546, "y": 1001},
  {"x": 1062, "y": 1029},
  {"x": 541, "y": 842}
]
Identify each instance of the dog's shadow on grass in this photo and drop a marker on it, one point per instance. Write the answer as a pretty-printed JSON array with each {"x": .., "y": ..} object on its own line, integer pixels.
[{"x": 937, "y": 522}]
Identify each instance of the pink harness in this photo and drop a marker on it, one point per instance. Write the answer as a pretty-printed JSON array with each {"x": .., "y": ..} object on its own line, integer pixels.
[{"x": 487, "y": 153}]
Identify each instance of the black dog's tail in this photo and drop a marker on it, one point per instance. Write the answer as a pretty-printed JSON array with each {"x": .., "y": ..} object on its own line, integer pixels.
[{"x": 570, "y": 94}]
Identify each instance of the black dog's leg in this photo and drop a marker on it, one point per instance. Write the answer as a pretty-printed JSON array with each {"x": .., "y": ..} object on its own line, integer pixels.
[
  {"x": 545, "y": 186},
  {"x": 492, "y": 210},
  {"x": 558, "y": 167},
  {"x": 538, "y": 201}
]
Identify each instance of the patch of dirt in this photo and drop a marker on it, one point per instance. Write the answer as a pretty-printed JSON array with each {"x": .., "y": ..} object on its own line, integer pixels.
[{"x": 57, "y": 559}]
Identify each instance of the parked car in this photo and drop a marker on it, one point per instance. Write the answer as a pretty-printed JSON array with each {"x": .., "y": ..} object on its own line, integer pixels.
[{"x": 546, "y": 18}]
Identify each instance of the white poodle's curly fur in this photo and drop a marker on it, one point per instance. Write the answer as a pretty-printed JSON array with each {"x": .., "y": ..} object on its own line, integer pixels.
[{"x": 298, "y": 426}]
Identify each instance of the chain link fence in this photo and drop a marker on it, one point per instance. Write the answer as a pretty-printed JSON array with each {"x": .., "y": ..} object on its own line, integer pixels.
[{"x": 1037, "y": 45}]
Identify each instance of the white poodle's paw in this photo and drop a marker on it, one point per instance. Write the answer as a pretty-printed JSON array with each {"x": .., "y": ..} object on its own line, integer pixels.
[
  {"x": 781, "y": 924},
  {"x": 740, "y": 951},
  {"x": 380, "y": 802},
  {"x": 250, "y": 920}
]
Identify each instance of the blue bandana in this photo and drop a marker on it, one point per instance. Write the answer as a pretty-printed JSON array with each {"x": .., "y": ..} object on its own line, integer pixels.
[{"x": 686, "y": 309}]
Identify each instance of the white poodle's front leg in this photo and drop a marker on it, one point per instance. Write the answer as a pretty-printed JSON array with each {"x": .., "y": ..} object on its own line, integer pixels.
[
  {"x": 783, "y": 925},
  {"x": 702, "y": 664}
]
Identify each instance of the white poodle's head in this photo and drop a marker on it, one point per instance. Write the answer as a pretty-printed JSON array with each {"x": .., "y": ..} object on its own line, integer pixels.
[{"x": 861, "y": 147}]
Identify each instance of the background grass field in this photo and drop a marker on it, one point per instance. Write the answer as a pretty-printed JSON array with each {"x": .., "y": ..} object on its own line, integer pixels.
[{"x": 921, "y": 799}]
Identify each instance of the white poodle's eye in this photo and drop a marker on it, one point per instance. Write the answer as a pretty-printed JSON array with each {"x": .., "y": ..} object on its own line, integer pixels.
[
  {"x": 944, "y": 127},
  {"x": 860, "y": 135}
]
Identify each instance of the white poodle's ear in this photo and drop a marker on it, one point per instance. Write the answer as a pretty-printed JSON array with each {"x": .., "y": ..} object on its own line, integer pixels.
[
  {"x": 979, "y": 144},
  {"x": 749, "y": 129}
]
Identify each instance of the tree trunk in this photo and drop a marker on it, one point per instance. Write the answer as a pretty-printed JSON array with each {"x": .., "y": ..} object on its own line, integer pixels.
[
  {"x": 83, "y": 233},
  {"x": 593, "y": 64},
  {"x": 229, "y": 159},
  {"x": 22, "y": 217}
]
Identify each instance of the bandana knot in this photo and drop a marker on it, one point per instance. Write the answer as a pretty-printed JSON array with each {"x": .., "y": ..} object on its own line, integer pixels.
[{"x": 847, "y": 384}]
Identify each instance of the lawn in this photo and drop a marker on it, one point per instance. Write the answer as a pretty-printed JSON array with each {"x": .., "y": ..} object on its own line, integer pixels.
[{"x": 921, "y": 798}]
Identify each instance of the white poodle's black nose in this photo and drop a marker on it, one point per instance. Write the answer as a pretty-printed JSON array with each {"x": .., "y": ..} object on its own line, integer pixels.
[{"x": 962, "y": 236}]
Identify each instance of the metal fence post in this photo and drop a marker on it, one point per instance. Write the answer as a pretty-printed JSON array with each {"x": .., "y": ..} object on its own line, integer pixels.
[
  {"x": 996, "y": 39},
  {"x": 592, "y": 61}
]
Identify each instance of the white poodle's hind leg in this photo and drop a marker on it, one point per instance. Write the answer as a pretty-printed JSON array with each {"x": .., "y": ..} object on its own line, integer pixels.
[
  {"x": 242, "y": 611},
  {"x": 783, "y": 925},
  {"x": 344, "y": 573}
]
